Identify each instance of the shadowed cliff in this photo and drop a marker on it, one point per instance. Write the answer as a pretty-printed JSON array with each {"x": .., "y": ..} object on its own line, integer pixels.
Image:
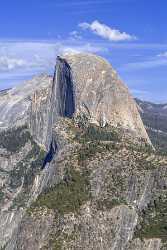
[{"x": 65, "y": 98}]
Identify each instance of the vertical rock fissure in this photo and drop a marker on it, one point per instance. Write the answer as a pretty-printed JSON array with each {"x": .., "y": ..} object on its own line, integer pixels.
[
  {"x": 50, "y": 155},
  {"x": 62, "y": 102}
]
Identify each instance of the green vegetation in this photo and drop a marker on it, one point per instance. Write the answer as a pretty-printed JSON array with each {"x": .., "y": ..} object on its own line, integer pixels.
[
  {"x": 90, "y": 149},
  {"x": 57, "y": 244},
  {"x": 1, "y": 195},
  {"x": 164, "y": 246},
  {"x": 28, "y": 167},
  {"x": 96, "y": 133},
  {"x": 14, "y": 139},
  {"x": 24, "y": 174},
  {"x": 4, "y": 247},
  {"x": 25, "y": 170},
  {"x": 110, "y": 203},
  {"x": 81, "y": 121},
  {"x": 57, "y": 241},
  {"x": 68, "y": 195},
  {"x": 154, "y": 221},
  {"x": 95, "y": 140}
]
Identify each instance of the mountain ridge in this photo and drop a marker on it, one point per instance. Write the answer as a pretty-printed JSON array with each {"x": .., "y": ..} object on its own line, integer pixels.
[{"x": 71, "y": 179}]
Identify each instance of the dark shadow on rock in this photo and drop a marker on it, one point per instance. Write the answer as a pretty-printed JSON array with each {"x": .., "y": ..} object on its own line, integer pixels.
[
  {"x": 64, "y": 89},
  {"x": 50, "y": 154}
]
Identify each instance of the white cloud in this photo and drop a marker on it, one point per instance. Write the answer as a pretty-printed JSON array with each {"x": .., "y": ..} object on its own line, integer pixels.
[
  {"x": 40, "y": 54},
  {"x": 7, "y": 63},
  {"x": 21, "y": 59},
  {"x": 75, "y": 35},
  {"x": 81, "y": 48},
  {"x": 106, "y": 32}
]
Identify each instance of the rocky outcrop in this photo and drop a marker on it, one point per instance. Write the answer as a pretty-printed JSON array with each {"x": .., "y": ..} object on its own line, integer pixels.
[
  {"x": 82, "y": 83},
  {"x": 102, "y": 95},
  {"x": 40, "y": 116},
  {"x": 123, "y": 187},
  {"x": 149, "y": 244},
  {"x": 87, "y": 84},
  {"x": 14, "y": 103},
  {"x": 73, "y": 180},
  {"x": 20, "y": 161}
]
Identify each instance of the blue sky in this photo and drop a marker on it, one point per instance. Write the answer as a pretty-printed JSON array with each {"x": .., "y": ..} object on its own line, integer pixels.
[{"x": 131, "y": 34}]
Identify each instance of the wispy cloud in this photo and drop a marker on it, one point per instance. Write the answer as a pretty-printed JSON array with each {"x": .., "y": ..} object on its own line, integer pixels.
[
  {"x": 78, "y": 3},
  {"x": 20, "y": 59},
  {"x": 135, "y": 66},
  {"x": 146, "y": 96},
  {"x": 7, "y": 63},
  {"x": 17, "y": 55},
  {"x": 134, "y": 45},
  {"x": 164, "y": 54},
  {"x": 75, "y": 35},
  {"x": 106, "y": 32}
]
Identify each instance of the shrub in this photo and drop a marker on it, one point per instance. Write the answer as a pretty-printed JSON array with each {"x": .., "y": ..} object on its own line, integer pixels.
[
  {"x": 68, "y": 195},
  {"x": 95, "y": 133},
  {"x": 110, "y": 203},
  {"x": 89, "y": 150},
  {"x": 154, "y": 221},
  {"x": 14, "y": 139}
]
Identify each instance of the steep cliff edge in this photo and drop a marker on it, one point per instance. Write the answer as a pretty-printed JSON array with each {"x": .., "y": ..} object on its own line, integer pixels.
[
  {"x": 74, "y": 177},
  {"x": 100, "y": 93}
]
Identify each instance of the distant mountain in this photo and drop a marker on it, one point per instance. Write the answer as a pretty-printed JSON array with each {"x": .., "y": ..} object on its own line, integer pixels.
[{"x": 154, "y": 117}]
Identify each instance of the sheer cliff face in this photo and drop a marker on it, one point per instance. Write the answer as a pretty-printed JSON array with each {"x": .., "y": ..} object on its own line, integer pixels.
[
  {"x": 65, "y": 99},
  {"x": 100, "y": 93},
  {"x": 14, "y": 103},
  {"x": 82, "y": 84},
  {"x": 70, "y": 183},
  {"x": 20, "y": 157}
]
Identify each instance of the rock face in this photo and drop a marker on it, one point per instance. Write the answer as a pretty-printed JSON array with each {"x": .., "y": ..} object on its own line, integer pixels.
[
  {"x": 69, "y": 176},
  {"x": 83, "y": 83},
  {"x": 65, "y": 99},
  {"x": 100, "y": 93},
  {"x": 15, "y": 102}
]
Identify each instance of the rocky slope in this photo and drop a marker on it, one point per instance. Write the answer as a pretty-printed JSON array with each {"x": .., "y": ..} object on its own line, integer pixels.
[{"x": 77, "y": 169}]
